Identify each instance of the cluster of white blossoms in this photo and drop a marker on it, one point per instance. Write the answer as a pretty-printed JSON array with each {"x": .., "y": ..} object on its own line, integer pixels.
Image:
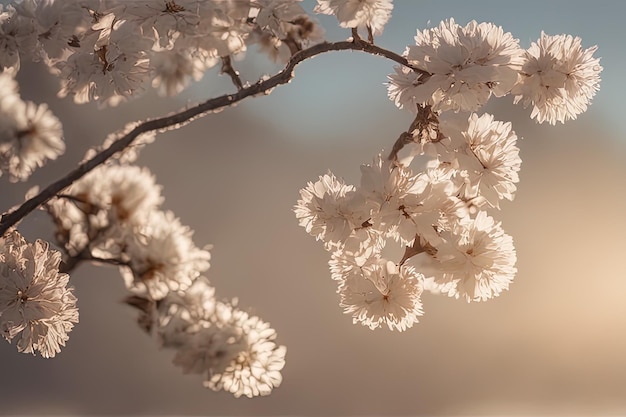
[
  {"x": 37, "y": 308},
  {"x": 459, "y": 68},
  {"x": 108, "y": 50},
  {"x": 438, "y": 215},
  {"x": 29, "y": 133},
  {"x": 469, "y": 162},
  {"x": 112, "y": 216}
]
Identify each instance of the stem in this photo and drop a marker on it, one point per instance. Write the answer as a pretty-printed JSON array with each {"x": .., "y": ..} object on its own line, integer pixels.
[
  {"x": 227, "y": 68},
  {"x": 283, "y": 77}
]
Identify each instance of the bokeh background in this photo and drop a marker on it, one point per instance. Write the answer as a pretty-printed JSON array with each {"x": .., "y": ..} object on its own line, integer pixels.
[{"x": 553, "y": 345}]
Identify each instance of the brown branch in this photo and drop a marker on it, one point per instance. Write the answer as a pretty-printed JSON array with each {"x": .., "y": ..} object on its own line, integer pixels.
[
  {"x": 262, "y": 87},
  {"x": 227, "y": 68},
  {"x": 424, "y": 128}
]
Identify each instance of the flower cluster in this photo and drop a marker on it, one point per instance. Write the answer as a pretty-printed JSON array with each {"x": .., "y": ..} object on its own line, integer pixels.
[
  {"x": 37, "y": 308},
  {"x": 107, "y": 50},
  {"x": 470, "y": 163},
  {"x": 112, "y": 216},
  {"x": 453, "y": 245},
  {"x": 29, "y": 133},
  {"x": 453, "y": 67}
]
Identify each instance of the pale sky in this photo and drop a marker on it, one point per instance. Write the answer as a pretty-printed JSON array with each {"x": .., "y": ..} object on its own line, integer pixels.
[{"x": 552, "y": 345}]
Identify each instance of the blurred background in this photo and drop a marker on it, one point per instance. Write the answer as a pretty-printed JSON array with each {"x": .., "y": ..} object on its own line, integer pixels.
[{"x": 554, "y": 344}]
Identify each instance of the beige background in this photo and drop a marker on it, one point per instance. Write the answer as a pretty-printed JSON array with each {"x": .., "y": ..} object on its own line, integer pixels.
[{"x": 553, "y": 344}]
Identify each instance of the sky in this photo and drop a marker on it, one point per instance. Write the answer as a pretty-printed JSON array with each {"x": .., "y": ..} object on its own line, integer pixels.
[{"x": 552, "y": 345}]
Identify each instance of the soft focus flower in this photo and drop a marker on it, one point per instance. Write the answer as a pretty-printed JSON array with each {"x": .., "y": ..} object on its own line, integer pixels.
[
  {"x": 255, "y": 369},
  {"x": 29, "y": 133},
  {"x": 17, "y": 38},
  {"x": 180, "y": 312},
  {"x": 235, "y": 351},
  {"x": 372, "y": 14},
  {"x": 559, "y": 78},
  {"x": 55, "y": 24},
  {"x": 37, "y": 308},
  {"x": 126, "y": 192},
  {"x": 162, "y": 257},
  {"x": 109, "y": 65},
  {"x": 173, "y": 69}
]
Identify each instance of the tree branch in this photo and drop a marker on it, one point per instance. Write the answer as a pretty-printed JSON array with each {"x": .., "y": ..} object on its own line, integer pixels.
[{"x": 262, "y": 87}]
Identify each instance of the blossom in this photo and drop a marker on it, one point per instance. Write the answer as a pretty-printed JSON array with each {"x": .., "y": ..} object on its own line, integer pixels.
[
  {"x": 559, "y": 78},
  {"x": 180, "y": 312},
  {"x": 37, "y": 308},
  {"x": 372, "y": 14},
  {"x": 235, "y": 351},
  {"x": 162, "y": 257},
  {"x": 125, "y": 192},
  {"x": 54, "y": 23},
  {"x": 255, "y": 369},
  {"x": 405, "y": 204},
  {"x": 490, "y": 161},
  {"x": 383, "y": 294},
  {"x": 103, "y": 208},
  {"x": 465, "y": 66},
  {"x": 17, "y": 38},
  {"x": 165, "y": 20},
  {"x": 109, "y": 65},
  {"x": 173, "y": 70},
  {"x": 283, "y": 28},
  {"x": 29, "y": 133},
  {"x": 326, "y": 209},
  {"x": 344, "y": 262},
  {"x": 476, "y": 261}
]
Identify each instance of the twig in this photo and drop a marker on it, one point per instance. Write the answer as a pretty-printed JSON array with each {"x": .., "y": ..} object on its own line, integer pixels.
[
  {"x": 283, "y": 77},
  {"x": 227, "y": 68}
]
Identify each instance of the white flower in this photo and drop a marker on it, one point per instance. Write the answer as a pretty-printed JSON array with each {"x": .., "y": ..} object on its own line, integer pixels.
[
  {"x": 18, "y": 38},
  {"x": 345, "y": 262},
  {"x": 255, "y": 369},
  {"x": 164, "y": 20},
  {"x": 37, "y": 308},
  {"x": 162, "y": 257},
  {"x": 222, "y": 30},
  {"x": 401, "y": 88},
  {"x": 558, "y": 78},
  {"x": 326, "y": 209},
  {"x": 55, "y": 23},
  {"x": 275, "y": 15},
  {"x": 236, "y": 352},
  {"x": 476, "y": 261},
  {"x": 283, "y": 28},
  {"x": 126, "y": 192},
  {"x": 384, "y": 294},
  {"x": 30, "y": 134},
  {"x": 467, "y": 65},
  {"x": 212, "y": 346},
  {"x": 103, "y": 208},
  {"x": 173, "y": 70},
  {"x": 373, "y": 14},
  {"x": 182, "y": 311},
  {"x": 490, "y": 161},
  {"x": 110, "y": 65}
]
